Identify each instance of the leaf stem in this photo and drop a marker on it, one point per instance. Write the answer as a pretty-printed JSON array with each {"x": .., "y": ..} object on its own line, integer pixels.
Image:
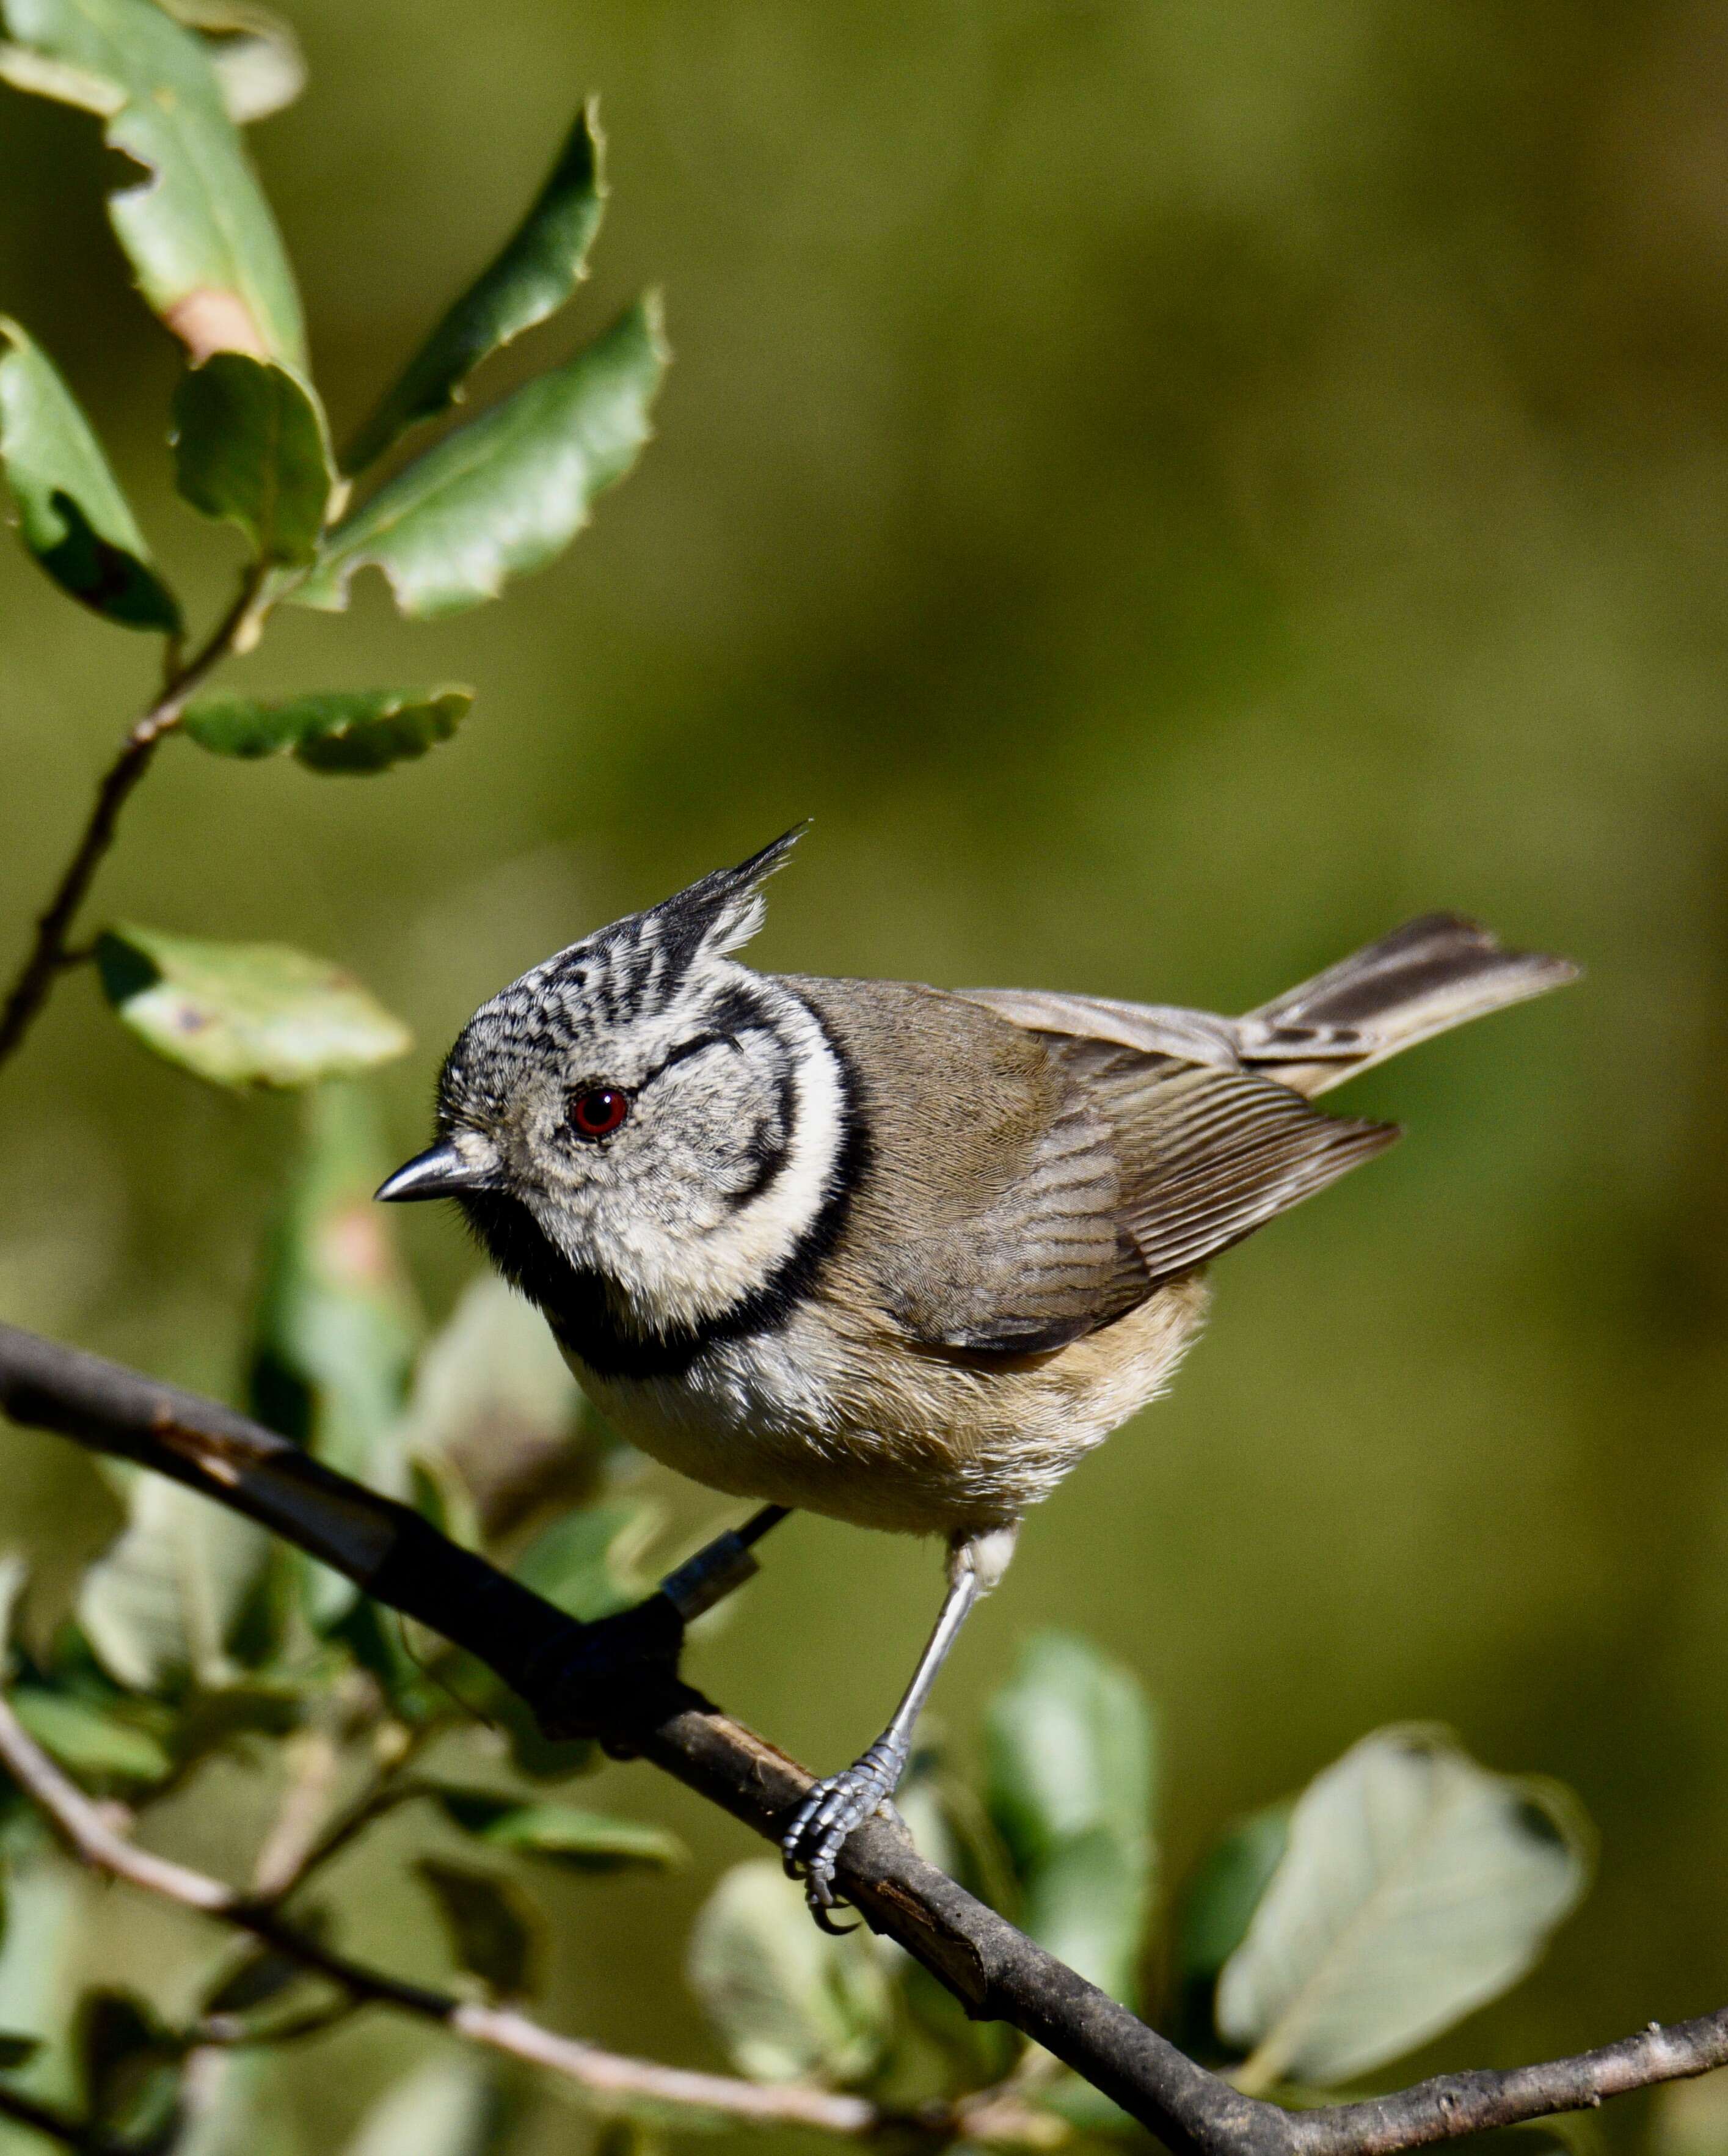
[{"x": 49, "y": 954}]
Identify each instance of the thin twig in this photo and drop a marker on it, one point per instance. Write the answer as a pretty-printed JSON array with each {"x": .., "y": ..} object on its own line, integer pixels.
[
  {"x": 606, "y": 2075},
  {"x": 994, "y": 1970},
  {"x": 48, "y": 955}
]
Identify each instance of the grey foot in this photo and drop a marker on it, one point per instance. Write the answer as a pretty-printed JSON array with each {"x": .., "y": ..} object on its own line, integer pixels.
[{"x": 837, "y": 1804}]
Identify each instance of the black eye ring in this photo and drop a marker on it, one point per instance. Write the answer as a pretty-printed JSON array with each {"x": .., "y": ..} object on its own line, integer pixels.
[{"x": 597, "y": 1111}]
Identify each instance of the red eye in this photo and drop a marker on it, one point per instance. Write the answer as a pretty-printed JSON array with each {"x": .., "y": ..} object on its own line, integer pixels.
[{"x": 598, "y": 1113}]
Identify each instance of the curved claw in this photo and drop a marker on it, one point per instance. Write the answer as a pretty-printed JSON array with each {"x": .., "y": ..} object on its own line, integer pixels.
[{"x": 819, "y": 1827}]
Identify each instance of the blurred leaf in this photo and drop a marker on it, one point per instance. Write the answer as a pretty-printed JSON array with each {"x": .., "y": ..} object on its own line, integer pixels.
[
  {"x": 48, "y": 1901},
  {"x": 72, "y": 515},
  {"x": 88, "y": 1742},
  {"x": 336, "y": 1323},
  {"x": 444, "y": 2109},
  {"x": 1216, "y": 1907},
  {"x": 234, "y": 2105},
  {"x": 196, "y": 227},
  {"x": 585, "y": 1841},
  {"x": 259, "y": 1974},
  {"x": 260, "y": 67},
  {"x": 245, "y": 1014},
  {"x": 541, "y": 266},
  {"x": 1415, "y": 1887},
  {"x": 1087, "y": 2109},
  {"x": 250, "y": 448},
  {"x": 492, "y": 1395},
  {"x": 586, "y": 1563},
  {"x": 130, "y": 2064},
  {"x": 16, "y": 2050},
  {"x": 210, "y": 1720},
  {"x": 1690, "y": 2118},
  {"x": 495, "y": 1932},
  {"x": 1069, "y": 1754},
  {"x": 162, "y": 1603},
  {"x": 509, "y": 491},
  {"x": 788, "y": 2002},
  {"x": 346, "y": 730}
]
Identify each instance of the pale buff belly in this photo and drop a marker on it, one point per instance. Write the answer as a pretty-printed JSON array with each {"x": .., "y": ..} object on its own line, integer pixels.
[{"x": 867, "y": 1429}]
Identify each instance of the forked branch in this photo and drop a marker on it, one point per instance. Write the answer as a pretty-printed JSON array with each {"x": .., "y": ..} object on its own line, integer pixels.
[{"x": 995, "y": 1971}]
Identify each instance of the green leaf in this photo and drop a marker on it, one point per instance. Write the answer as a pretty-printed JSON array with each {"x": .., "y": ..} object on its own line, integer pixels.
[
  {"x": 447, "y": 2108},
  {"x": 88, "y": 1742},
  {"x": 1415, "y": 1887},
  {"x": 788, "y": 2002},
  {"x": 258, "y": 65},
  {"x": 337, "y": 1324},
  {"x": 585, "y": 1562},
  {"x": 48, "y": 1912},
  {"x": 162, "y": 1603},
  {"x": 250, "y": 448},
  {"x": 236, "y": 2106},
  {"x": 508, "y": 492},
  {"x": 542, "y": 265},
  {"x": 495, "y": 1932},
  {"x": 584, "y": 1840},
  {"x": 245, "y": 1014},
  {"x": 1068, "y": 1751},
  {"x": 493, "y": 1400},
  {"x": 72, "y": 515},
  {"x": 1217, "y": 1905},
  {"x": 347, "y": 730},
  {"x": 130, "y": 2062},
  {"x": 16, "y": 2050},
  {"x": 196, "y": 227}
]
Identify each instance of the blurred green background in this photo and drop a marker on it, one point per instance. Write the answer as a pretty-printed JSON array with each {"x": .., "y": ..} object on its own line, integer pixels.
[{"x": 1172, "y": 490}]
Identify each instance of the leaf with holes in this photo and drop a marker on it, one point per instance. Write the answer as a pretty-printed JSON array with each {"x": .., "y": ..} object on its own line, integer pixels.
[
  {"x": 1068, "y": 1746},
  {"x": 343, "y": 731},
  {"x": 250, "y": 449},
  {"x": 196, "y": 226},
  {"x": 71, "y": 514},
  {"x": 495, "y": 1932},
  {"x": 789, "y": 2002},
  {"x": 508, "y": 492},
  {"x": 245, "y": 1014},
  {"x": 541, "y": 266},
  {"x": 1415, "y": 1885},
  {"x": 566, "y": 1834}
]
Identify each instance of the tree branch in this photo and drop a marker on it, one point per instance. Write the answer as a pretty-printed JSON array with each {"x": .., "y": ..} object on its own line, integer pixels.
[
  {"x": 994, "y": 1970},
  {"x": 49, "y": 955}
]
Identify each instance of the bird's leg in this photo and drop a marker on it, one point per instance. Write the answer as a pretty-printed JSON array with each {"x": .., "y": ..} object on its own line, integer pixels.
[
  {"x": 631, "y": 1644},
  {"x": 841, "y": 1802}
]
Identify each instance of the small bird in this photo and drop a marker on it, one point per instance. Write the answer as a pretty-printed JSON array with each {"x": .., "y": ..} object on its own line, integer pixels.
[{"x": 896, "y": 1254}]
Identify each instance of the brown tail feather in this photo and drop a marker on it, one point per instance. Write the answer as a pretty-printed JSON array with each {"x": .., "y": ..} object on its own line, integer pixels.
[{"x": 1424, "y": 979}]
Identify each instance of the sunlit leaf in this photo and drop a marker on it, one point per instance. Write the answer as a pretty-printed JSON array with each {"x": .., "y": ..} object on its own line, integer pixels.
[
  {"x": 584, "y": 1840},
  {"x": 131, "y": 2063},
  {"x": 260, "y": 67},
  {"x": 446, "y": 2109},
  {"x": 585, "y": 1562},
  {"x": 541, "y": 266},
  {"x": 495, "y": 1932},
  {"x": 1068, "y": 1745},
  {"x": 87, "y": 1742},
  {"x": 1414, "y": 1886},
  {"x": 161, "y": 1605},
  {"x": 493, "y": 1396},
  {"x": 508, "y": 492},
  {"x": 245, "y": 1014},
  {"x": 201, "y": 238},
  {"x": 250, "y": 449},
  {"x": 346, "y": 730},
  {"x": 71, "y": 513},
  {"x": 1217, "y": 1905},
  {"x": 788, "y": 2002}
]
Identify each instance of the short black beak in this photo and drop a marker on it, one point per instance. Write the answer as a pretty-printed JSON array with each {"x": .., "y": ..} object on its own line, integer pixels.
[{"x": 439, "y": 1172}]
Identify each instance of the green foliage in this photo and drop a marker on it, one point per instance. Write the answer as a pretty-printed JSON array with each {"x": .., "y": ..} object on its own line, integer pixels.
[
  {"x": 250, "y": 445},
  {"x": 1217, "y": 1907},
  {"x": 130, "y": 2062},
  {"x": 1069, "y": 1747},
  {"x": 200, "y": 236},
  {"x": 495, "y": 1932},
  {"x": 89, "y": 1743},
  {"x": 245, "y": 1014},
  {"x": 72, "y": 515},
  {"x": 446, "y": 2109},
  {"x": 564, "y": 1834},
  {"x": 508, "y": 492},
  {"x": 1414, "y": 1886},
  {"x": 355, "y": 731},
  {"x": 541, "y": 266}
]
